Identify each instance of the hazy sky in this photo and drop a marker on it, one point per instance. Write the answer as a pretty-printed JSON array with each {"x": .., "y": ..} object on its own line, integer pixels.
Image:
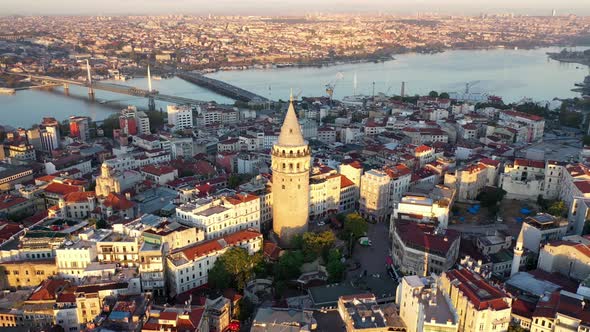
[{"x": 289, "y": 7}]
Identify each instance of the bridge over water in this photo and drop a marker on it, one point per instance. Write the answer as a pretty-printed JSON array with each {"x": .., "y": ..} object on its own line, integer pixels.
[{"x": 152, "y": 95}]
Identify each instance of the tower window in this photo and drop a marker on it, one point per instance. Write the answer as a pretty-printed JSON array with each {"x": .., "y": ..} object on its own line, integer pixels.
[{"x": 283, "y": 186}]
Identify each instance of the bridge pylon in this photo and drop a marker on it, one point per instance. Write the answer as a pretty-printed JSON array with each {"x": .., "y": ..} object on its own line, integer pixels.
[
  {"x": 67, "y": 89},
  {"x": 151, "y": 103},
  {"x": 91, "y": 93}
]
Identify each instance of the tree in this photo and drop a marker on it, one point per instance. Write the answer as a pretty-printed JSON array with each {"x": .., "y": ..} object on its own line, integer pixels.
[
  {"x": 234, "y": 181},
  {"x": 335, "y": 267},
  {"x": 444, "y": 95},
  {"x": 355, "y": 226},
  {"x": 289, "y": 265},
  {"x": 240, "y": 265},
  {"x": 101, "y": 224},
  {"x": 218, "y": 277},
  {"x": 316, "y": 244},
  {"x": 570, "y": 119},
  {"x": 433, "y": 94},
  {"x": 234, "y": 267},
  {"x": 558, "y": 209},
  {"x": 244, "y": 309},
  {"x": 491, "y": 196},
  {"x": 586, "y": 140}
]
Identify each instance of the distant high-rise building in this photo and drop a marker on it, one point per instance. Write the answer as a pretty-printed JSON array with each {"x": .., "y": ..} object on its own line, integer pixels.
[
  {"x": 34, "y": 138},
  {"x": 290, "y": 180},
  {"x": 127, "y": 121},
  {"x": 80, "y": 127},
  {"x": 554, "y": 13},
  {"x": 180, "y": 117},
  {"x": 143, "y": 123},
  {"x": 50, "y": 134}
]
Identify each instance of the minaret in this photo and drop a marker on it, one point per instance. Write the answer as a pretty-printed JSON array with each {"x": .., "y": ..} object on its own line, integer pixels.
[
  {"x": 518, "y": 252},
  {"x": 290, "y": 180}
]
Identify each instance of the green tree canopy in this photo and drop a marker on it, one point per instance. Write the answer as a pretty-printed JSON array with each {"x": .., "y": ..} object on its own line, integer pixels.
[
  {"x": 218, "y": 277},
  {"x": 315, "y": 245},
  {"x": 433, "y": 94},
  {"x": 558, "y": 209},
  {"x": 355, "y": 226},
  {"x": 444, "y": 95},
  {"x": 238, "y": 264},
  {"x": 491, "y": 196},
  {"x": 289, "y": 265},
  {"x": 334, "y": 266}
]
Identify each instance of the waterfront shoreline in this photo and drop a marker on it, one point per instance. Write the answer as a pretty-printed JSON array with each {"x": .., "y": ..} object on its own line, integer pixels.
[{"x": 390, "y": 57}]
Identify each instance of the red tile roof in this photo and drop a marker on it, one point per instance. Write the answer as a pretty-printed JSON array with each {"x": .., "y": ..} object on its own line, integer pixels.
[
  {"x": 523, "y": 115},
  {"x": 8, "y": 229},
  {"x": 8, "y": 201},
  {"x": 583, "y": 186},
  {"x": 118, "y": 202},
  {"x": 66, "y": 298},
  {"x": 212, "y": 246},
  {"x": 422, "y": 148},
  {"x": 480, "y": 293},
  {"x": 398, "y": 171},
  {"x": 424, "y": 237},
  {"x": 61, "y": 189},
  {"x": 345, "y": 182},
  {"x": 523, "y": 308},
  {"x": 529, "y": 163},
  {"x": 48, "y": 290},
  {"x": 158, "y": 170},
  {"x": 490, "y": 162},
  {"x": 271, "y": 250},
  {"x": 241, "y": 198},
  {"x": 79, "y": 197}
]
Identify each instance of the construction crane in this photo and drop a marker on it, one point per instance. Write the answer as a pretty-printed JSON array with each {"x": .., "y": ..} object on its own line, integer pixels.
[{"x": 332, "y": 85}]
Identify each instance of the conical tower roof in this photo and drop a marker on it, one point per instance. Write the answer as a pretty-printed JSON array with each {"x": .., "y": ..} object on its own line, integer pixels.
[{"x": 291, "y": 131}]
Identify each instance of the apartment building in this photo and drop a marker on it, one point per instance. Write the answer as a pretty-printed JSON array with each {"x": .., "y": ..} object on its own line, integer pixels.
[
  {"x": 422, "y": 249},
  {"x": 380, "y": 188},
  {"x": 569, "y": 256},
  {"x": 480, "y": 306},
  {"x": 534, "y": 124},
  {"x": 424, "y": 306},
  {"x": 180, "y": 117},
  {"x": 119, "y": 248},
  {"x": 188, "y": 267},
  {"x": 217, "y": 217},
  {"x": 72, "y": 258},
  {"x": 523, "y": 179}
]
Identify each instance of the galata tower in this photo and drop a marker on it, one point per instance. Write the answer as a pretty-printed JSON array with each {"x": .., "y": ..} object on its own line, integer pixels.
[{"x": 290, "y": 180}]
